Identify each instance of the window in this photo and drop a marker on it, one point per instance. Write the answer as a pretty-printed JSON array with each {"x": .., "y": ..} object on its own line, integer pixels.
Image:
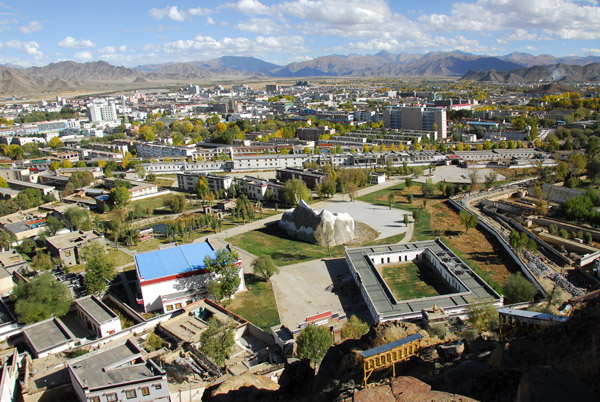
[
  {"x": 157, "y": 386},
  {"x": 145, "y": 391},
  {"x": 169, "y": 308},
  {"x": 94, "y": 399},
  {"x": 111, "y": 397},
  {"x": 130, "y": 393},
  {"x": 68, "y": 253}
]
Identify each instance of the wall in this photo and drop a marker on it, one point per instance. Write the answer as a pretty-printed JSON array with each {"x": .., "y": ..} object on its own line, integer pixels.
[{"x": 152, "y": 293}]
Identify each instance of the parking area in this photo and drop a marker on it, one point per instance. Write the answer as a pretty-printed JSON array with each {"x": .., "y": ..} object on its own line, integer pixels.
[
  {"x": 455, "y": 174},
  {"x": 314, "y": 287},
  {"x": 388, "y": 222}
]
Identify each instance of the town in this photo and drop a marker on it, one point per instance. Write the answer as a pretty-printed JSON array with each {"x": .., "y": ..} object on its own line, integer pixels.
[{"x": 157, "y": 244}]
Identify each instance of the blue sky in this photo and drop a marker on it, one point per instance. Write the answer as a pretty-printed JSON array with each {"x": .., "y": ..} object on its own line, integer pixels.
[{"x": 132, "y": 33}]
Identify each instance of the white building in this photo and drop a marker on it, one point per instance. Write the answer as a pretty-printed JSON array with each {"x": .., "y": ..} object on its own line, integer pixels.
[
  {"x": 101, "y": 112},
  {"x": 97, "y": 316},
  {"x": 175, "y": 277}
]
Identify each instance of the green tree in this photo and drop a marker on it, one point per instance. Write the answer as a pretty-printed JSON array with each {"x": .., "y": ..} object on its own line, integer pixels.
[
  {"x": 491, "y": 179},
  {"x": 41, "y": 298},
  {"x": 391, "y": 199},
  {"x": 153, "y": 342},
  {"x": 224, "y": 265},
  {"x": 354, "y": 328},
  {"x": 313, "y": 342},
  {"x": 264, "y": 267},
  {"x": 3, "y": 183},
  {"x": 81, "y": 178},
  {"x": 99, "y": 269},
  {"x": 7, "y": 239},
  {"x": 176, "y": 203},
  {"x": 55, "y": 142},
  {"x": 217, "y": 340},
  {"x": 66, "y": 164},
  {"x": 42, "y": 262},
  {"x": 483, "y": 316},
  {"x": 294, "y": 191},
  {"x": 55, "y": 165},
  {"x": 119, "y": 196},
  {"x": 78, "y": 219},
  {"x": 467, "y": 219},
  {"x": 518, "y": 289},
  {"x": 428, "y": 189},
  {"x": 408, "y": 182}
]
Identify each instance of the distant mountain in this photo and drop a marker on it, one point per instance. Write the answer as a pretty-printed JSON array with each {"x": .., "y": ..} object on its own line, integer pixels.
[
  {"x": 528, "y": 60},
  {"x": 383, "y": 64},
  {"x": 548, "y": 73},
  {"x": 100, "y": 75}
]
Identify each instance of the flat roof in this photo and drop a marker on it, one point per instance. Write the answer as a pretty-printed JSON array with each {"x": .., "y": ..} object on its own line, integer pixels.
[
  {"x": 111, "y": 365},
  {"x": 389, "y": 346},
  {"x": 532, "y": 315},
  {"x": 96, "y": 309},
  {"x": 173, "y": 260},
  {"x": 386, "y": 304},
  {"x": 72, "y": 239},
  {"x": 47, "y": 334}
]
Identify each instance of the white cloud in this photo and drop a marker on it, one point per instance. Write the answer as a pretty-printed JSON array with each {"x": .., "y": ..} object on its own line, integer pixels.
[
  {"x": 122, "y": 48},
  {"x": 30, "y": 28},
  {"x": 210, "y": 21},
  {"x": 207, "y": 46},
  {"x": 31, "y": 48},
  {"x": 264, "y": 26},
  {"x": 113, "y": 49},
  {"x": 200, "y": 11},
  {"x": 250, "y": 7},
  {"x": 563, "y": 19},
  {"x": 591, "y": 51},
  {"x": 85, "y": 55},
  {"x": 171, "y": 12},
  {"x": 71, "y": 43}
]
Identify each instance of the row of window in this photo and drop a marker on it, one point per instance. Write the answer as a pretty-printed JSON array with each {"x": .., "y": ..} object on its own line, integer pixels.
[{"x": 129, "y": 394}]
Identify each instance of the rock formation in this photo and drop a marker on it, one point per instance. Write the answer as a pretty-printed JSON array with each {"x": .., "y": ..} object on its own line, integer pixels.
[{"x": 303, "y": 221}]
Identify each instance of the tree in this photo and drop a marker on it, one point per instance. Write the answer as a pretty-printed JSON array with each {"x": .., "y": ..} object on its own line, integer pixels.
[
  {"x": 483, "y": 316},
  {"x": 202, "y": 188},
  {"x": 42, "y": 262},
  {"x": 176, "y": 203},
  {"x": 490, "y": 179},
  {"x": 408, "y": 182},
  {"x": 119, "y": 196},
  {"x": 3, "y": 183},
  {"x": 43, "y": 297},
  {"x": 473, "y": 179},
  {"x": 217, "y": 340},
  {"x": 55, "y": 142},
  {"x": 294, "y": 191},
  {"x": 55, "y": 165},
  {"x": 224, "y": 265},
  {"x": 354, "y": 328},
  {"x": 66, "y": 164},
  {"x": 99, "y": 269},
  {"x": 428, "y": 189},
  {"x": 313, "y": 342},
  {"x": 391, "y": 199},
  {"x": 467, "y": 219},
  {"x": 324, "y": 236},
  {"x": 7, "y": 239},
  {"x": 264, "y": 267},
  {"x": 78, "y": 219},
  {"x": 518, "y": 289},
  {"x": 81, "y": 178},
  {"x": 351, "y": 189}
]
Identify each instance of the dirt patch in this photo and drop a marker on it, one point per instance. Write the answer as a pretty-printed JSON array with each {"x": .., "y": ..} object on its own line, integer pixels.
[
  {"x": 364, "y": 233},
  {"x": 476, "y": 246}
]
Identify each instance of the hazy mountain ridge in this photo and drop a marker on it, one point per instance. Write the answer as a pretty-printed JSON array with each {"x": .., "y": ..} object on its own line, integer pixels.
[
  {"x": 553, "y": 72},
  {"x": 70, "y": 75}
]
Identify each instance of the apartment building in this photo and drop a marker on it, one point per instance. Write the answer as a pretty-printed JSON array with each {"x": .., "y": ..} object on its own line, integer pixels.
[
  {"x": 416, "y": 118},
  {"x": 188, "y": 181}
]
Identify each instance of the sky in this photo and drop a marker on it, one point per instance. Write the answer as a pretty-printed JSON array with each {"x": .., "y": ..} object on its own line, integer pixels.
[{"x": 133, "y": 32}]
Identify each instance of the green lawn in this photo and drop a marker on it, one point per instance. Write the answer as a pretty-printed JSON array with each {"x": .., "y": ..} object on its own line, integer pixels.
[
  {"x": 388, "y": 240},
  {"x": 274, "y": 242},
  {"x": 257, "y": 305},
  {"x": 120, "y": 257},
  {"x": 412, "y": 281}
]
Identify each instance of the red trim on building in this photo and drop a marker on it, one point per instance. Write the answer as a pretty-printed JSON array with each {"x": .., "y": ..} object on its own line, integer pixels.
[{"x": 171, "y": 277}]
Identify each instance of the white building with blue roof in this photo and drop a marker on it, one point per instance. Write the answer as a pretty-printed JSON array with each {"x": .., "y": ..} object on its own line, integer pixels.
[{"x": 174, "y": 277}]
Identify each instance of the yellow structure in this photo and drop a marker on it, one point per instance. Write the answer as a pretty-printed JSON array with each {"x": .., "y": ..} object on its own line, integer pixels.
[
  {"x": 390, "y": 354},
  {"x": 513, "y": 321}
]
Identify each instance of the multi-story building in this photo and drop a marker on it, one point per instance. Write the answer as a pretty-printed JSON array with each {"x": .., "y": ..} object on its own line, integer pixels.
[
  {"x": 101, "y": 112},
  {"x": 312, "y": 178},
  {"x": 256, "y": 189},
  {"x": 417, "y": 118},
  {"x": 68, "y": 246},
  {"x": 148, "y": 150},
  {"x": 117, "y": 373},
  {"x": 188, "y": 181},
  {"x": 97, "y": 316}
]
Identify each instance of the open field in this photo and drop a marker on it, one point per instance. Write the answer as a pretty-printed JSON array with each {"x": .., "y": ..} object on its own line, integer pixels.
[
  {"x": 412, "y": 280},
  {"x": 257, "y": 305},
  {"x": 120, "y": 257},
  {"x": 482, "y": 254}
]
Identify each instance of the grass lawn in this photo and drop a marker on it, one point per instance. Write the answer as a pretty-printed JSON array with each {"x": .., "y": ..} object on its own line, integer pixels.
[
  {"x": 412, "y": 281},
  {"x": 120, "y": 257},
  {"x": 147, "y": 245},
  {"x": 257, "y": 305},
  {"x": 388, "y": 240},
  {"x": 76, "y": 269},
  {"x": 284, "y": 250}
]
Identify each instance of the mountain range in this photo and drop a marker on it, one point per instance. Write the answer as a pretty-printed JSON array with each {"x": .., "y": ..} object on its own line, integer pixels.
[{"x": 99, "y": 75}]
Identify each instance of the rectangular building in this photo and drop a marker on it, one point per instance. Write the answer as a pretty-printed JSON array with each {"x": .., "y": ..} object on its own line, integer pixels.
[
  {"x": 68, "y": 246},
  {"x": 417, "y": 118},
  {"x": 97, "y": 316}
]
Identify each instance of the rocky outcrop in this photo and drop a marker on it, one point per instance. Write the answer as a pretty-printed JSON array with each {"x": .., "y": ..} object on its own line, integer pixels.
[{"x": 303, "y": 221}]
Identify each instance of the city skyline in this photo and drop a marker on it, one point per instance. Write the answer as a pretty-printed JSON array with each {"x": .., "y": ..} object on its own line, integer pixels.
[{"x": 282, "y": 32}]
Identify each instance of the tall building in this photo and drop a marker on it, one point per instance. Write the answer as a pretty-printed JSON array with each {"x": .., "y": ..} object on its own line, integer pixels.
[
  {"x": 417, "y": 118},
  {"x": 102, "y": 112}
]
